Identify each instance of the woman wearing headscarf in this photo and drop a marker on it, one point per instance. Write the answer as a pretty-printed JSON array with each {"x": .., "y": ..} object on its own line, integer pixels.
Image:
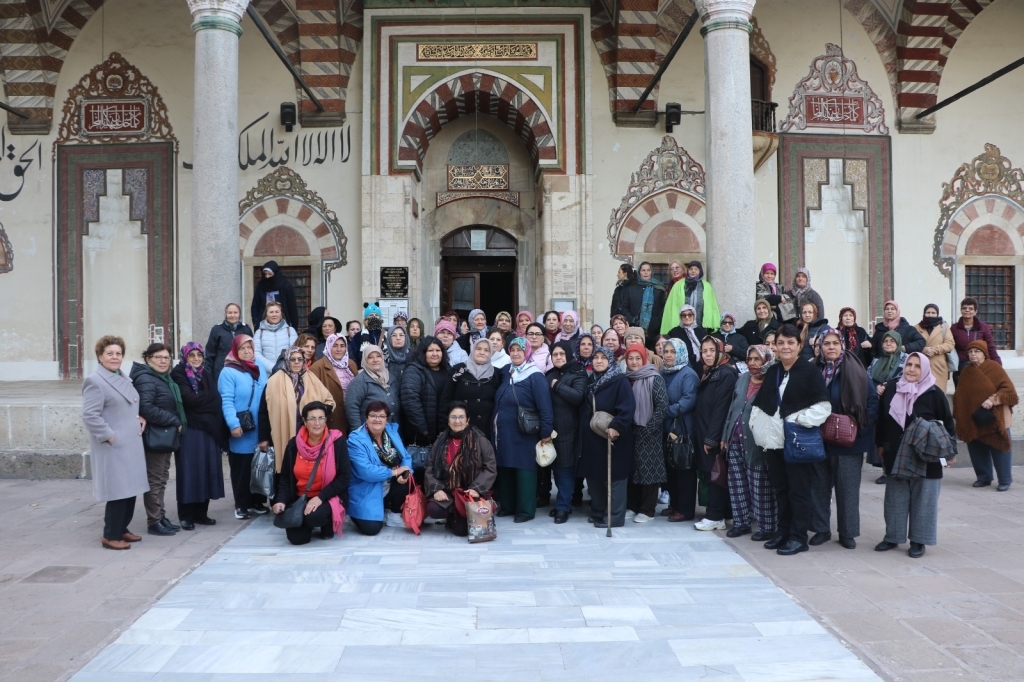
[
  {"x": 652, "y": 305},
  {"x": 750, "y": 488},
  {"x": 241, "y": 386},
  {"x": 888, "y": 362},
  {"x": 445, "y": 332},
  {"x": 627, "y": 299},
  {"x": 477, "y": 330},
  {"x": 892, "y": 321},
  {"x": 539, "y": 353},
  {"x": 810, "y": 325},
  {"x": 274, "y": 286},
  {"x": 690, "y": 333},
  {"x": 503, "y": 321},
  {"x": 461, "y": 459},
  {"x": 681, "y": 384},
  {"x": 372, "y": 383},
  {"x": 568, "y": 383},
  {"x": 852, "y": 394},
  {"x": 697, "y": 293},
  {"x": 475, "y": 382},
  {"x": 912, "y": 500},
  {"x": 608, "y": 391},
  {"x": 982, "y": 404},
  {"x": 938, "y": 340},
  {"x": 160, "y": 405},
  {"x": 637, "y": 336},
  {"x": 199, "y": 474},
  {"x": 281, "y": 404},
  {"x": 335, "y": 371},
  {"x": 422, "y": 390},
  {"x": 218, "y": 344},
  {"x": 522, "y": 387},
  {"x": 397, "y": 354},
  {"x": 803, "y": 292},
  {"x": 855, "y": 337},
  {"x": 651, "y": 404},
  {"x": 523, "y": 320},
  {"x": 714, "y": 395},
  {"x": 768, "y": 288},
  {"x": 733, "y": 342},
  {"x": 570, "y": 327},
  {"x": 583, "y": 352},
  {"x": 756, "y": 329}
]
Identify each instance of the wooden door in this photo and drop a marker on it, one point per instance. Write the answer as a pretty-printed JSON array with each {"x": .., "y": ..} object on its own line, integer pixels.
[{"x": 463, "y": 292}]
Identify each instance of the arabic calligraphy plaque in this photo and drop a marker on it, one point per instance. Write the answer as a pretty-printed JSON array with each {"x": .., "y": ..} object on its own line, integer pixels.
[
  {"x": 476, "y": 177},
  {"x": 433, "y": 52},
  {"x": 394, "y": 282},
  {"x": 834, "y": 110},
  {"x": 103, "y": 117}
]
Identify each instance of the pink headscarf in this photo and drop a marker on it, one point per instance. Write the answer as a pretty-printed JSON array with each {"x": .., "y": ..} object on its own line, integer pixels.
[
  {"x": 907, "y": 393},
  {"x": 444, "y": 324},
  {"x": 561, "y": 335},
  {"x": 769, "y": 266},
  {"x": 895, "y": 322},
  {"x": 529, "y": 316},
  {"x": 341, "y": 367}
]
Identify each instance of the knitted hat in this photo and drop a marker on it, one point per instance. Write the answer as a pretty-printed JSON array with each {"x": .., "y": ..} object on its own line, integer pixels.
[
  {"x": 371, "y": 309},
  {"x": 444, "y": 325},
  {"x": 401, "y": 315}
]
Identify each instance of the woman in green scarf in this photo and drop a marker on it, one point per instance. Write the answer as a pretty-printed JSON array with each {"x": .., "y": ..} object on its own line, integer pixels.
[
  {"x": 160, "y": 405},
  {"x": 889, "y": 365}
]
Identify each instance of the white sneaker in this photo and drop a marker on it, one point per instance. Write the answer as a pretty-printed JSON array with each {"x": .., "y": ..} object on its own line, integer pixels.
[
  {"x": 642, "y": 518},
  {"x": 663, "y": 497},
  {"x": 630, "y": 514},
  {"x": 394, "y": 520},
  {"x": 708, "y": 524}
]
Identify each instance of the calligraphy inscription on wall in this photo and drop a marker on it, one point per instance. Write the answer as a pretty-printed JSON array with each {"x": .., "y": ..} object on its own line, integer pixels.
[
  {"x": 468, "y": 177},
  {"x": 828, "y": 110},
  {"x": 114, "y": 116},
  {"x": 431, "y": 52}
]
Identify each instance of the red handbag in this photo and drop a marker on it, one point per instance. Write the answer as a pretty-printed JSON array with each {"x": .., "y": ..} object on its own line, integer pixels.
[
  {"x": 839, "y": 429},
  {"x": 414, "y": 509}
]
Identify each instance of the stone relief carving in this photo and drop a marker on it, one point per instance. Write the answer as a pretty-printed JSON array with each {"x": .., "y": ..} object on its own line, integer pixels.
[
  {"x": 667, "y": 167},
  {"x": 834, "y": 96},
  {"x": 989, "y": 173},
  {"x": 760, "y": 49},
  {"x": 6, "y": 252}
]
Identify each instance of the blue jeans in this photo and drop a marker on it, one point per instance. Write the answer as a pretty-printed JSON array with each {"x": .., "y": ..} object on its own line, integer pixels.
[
  {"x": 982, "y": 458},
  {"x": 565, "y": 481}
]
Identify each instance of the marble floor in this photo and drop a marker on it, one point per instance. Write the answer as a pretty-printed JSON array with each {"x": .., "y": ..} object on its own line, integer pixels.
[{"x": 658, "y": 601}]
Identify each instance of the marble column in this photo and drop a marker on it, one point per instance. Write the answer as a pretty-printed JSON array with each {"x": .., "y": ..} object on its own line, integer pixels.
[
  {"x": 216, "y": 277},
  {"x": 731, "y": 266}
]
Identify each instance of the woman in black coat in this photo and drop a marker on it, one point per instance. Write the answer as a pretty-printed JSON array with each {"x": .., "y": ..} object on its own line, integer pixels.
[
  {"x": 855, "y": 337},
  {"x": 756, "y": 329},
  {"x": 628, "y": 297},
  {"x": 714, "y": 396},
  {"x": 893, "y": 321},
  {"x": 198, "y": 469},
  {"x": 423, "y": 386},
  {"x": 568, "y": 381},
  {"x": 608, "y": 391},
  {"x": 218, "y": 345},
  {"x": 475, "y": 382},
  {"x": 735, "y": 343}
]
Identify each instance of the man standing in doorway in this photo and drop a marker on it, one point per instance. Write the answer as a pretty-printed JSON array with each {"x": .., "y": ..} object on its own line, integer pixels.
[{"x": 274, "y": 287}]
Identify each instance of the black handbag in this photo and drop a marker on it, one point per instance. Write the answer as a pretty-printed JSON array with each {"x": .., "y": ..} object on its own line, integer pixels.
[
  {"x": 245, "y": 419},
  {"x": 161, "y": 438},
  {"x": 679, "y": 452},
  {"x": 294, "y": 513},
  {"x": 527, "y": 420},
  {"x": 983, "y": 417}
]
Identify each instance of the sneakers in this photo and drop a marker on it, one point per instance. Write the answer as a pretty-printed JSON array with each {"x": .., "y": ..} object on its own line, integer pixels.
[
  {"x": 642, "y": 518},
  {"x": 630, "y": 513},
  {"x": 708, "y": 524},
  {"x": 394, "y": 520},
  {"x": 663, "y": 497},
  {"x": 241, "y": 514},
  {"x": 258, "y": 509}
]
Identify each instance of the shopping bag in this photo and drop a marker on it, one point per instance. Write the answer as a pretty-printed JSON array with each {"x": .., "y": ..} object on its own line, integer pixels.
[
  {"x": 479, "y": 517},
  {"x": 261, "y": 481}
]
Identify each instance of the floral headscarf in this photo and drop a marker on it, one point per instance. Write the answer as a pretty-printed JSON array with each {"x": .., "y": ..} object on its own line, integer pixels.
[
  {"x": 767, "y": 356},
  {"x": 598, "y": 379},
  {"x": 829, "y": 368},
  {"x": 341, "y": 367},
  {"x": 682, "y": 358},
  {"x": 195, "y": 376}
]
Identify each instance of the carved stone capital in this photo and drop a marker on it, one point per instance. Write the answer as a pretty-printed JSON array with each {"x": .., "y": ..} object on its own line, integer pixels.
[
  {"x": 224, "y": 9},
  {"x": 728, "y": 10}
]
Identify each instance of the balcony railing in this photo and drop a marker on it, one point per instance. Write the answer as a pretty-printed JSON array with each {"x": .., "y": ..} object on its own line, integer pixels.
[{"x": 763, "y": 115}]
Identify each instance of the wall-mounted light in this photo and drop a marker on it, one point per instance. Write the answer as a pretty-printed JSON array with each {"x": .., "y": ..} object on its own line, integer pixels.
[
  {"x": 288, "y": 117},
  {"x": 673, "y": 115}
]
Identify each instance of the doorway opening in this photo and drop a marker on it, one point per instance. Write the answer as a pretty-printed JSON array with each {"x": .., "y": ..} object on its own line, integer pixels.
[{"x": 479, "y": 270}]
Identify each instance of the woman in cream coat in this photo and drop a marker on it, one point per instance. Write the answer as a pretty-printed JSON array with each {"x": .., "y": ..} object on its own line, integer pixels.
[{"x": 110, "y": 412}]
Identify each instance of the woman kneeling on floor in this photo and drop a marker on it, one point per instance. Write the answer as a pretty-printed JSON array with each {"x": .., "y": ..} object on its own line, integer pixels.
[
  {"x": 380, "y": 472},
  {"x": 327, "y": 493},
  {"x": 461, "y": 459}
]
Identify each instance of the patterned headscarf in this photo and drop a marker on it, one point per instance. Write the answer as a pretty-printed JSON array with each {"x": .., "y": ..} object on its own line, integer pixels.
[
  {"x": 598, "y": 379},
  {"x": 195, "y": 376},
  {"x": 800, "y": 291},
  {"x": 682, "y": 358},
  {"x": 296, "y": 377},
  {"x": 341, "y": 367},
  {"x": 767, "y": 356},
  {"x": 829, "y": 368}
]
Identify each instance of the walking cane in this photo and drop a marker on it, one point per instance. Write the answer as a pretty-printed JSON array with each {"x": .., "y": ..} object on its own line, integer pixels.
[{"x": 608, "y": 508}]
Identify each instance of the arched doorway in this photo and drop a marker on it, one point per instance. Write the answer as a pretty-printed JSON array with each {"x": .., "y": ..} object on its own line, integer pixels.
[{"x": 478, "y": 270}]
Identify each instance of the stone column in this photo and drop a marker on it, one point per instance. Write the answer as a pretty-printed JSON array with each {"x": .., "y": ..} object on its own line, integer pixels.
[
  {"x": 216, "y": 279},
  {"x": 731, "y": 266}
]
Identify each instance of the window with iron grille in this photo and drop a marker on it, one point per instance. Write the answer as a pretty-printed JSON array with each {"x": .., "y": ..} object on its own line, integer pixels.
[
  {"x": 992, "y": 286},
  {"x": 299, "y": 276}
]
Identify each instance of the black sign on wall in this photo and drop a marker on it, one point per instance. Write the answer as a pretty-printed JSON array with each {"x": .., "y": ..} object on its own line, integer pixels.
[{"x": 394, "y": 282}]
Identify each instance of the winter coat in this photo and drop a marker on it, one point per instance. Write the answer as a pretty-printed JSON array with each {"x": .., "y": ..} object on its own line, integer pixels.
[
  {"x": 865, "y": 434},
  {"x": 979, "y": 330},
  {"x": 218, "y": 345},
  {"x": 203, "y": 409},
  {"x": 682, "y": 398},
  {"x": 362, "y": 391},
  {"x": 366, "y": 489},
  {"x": 323, "y": 370},
  {"x": 238, "y": 393},
  {"x": 156, "y": 400},
  {"x": 514, "y": 449},
  {"x": 714, "y": 396},
  {"x": 755, "y": 336},
  {"x": 762, "y": 290},
  {"x": 437, "y": 472},
  {"x": 478, "y": 396},
  {"x": 653, "y": 328},
  {"x": 931, "y": 405},
  {"x": 279, "y": 289},
  {"x": 702, "y": 297},
  {"x": 810, "y": 296},
  {"x": 627, "y": 299},
  {"x": 269, "y": 343},
  {"x": 912, "y": 340},
  {"x": 740, "y": 408},
  {"x": 422, "y": 391},
  {"x": 739, "y": 345},
  {"x": 279, "y": 418},
  {"x": 863, "y": 354},
  {"x": 941, "y": 339},
  {"x": 287, "y": 489},
  {"x": 110, "y": 409},
  {"x": 566, "y": 397},
  {"x": 616, "y": 398},
  {"x": 649, "y": 441}
]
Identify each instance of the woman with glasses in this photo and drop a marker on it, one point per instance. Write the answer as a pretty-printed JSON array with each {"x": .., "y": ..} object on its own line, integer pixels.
[
  {"x": 970, "y": 328},
  {"x": 241, "y": 385},
  {"x": 327, "y": 492},
  {"x": 539, "y": 353},
  {"x": 733, "y": 341},
  {"x": 461, "y": 460},
  {"x": 690, "y": 333},
  {"x": 381, "y": 467},
  {"x": 374, "y": 382}
]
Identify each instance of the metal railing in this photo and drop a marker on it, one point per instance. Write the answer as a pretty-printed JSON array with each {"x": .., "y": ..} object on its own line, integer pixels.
[{"x": 762, "y": 115}]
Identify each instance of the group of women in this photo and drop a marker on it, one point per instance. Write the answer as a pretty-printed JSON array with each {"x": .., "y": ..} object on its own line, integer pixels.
[{"x": 695, "y": 415}]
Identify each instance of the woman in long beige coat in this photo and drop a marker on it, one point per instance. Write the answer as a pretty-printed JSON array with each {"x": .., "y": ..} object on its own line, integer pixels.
[
  {"x": 938, "y": 340},
  {"x": 110, "y": 412}
]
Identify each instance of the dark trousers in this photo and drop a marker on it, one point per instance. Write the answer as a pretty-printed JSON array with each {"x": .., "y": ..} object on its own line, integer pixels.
[
  {"x": 116, "y": 517},
  {"x": 393, "y": 501},
  {"x": 322, "y": 518},
  {"x": 544, "y": 475},
  {"x": 682, "y": 492},
  {"x": 843, "y": 473},
  {"x": 599, "y": 501},
  {"x": 454, "y": 521},
  {"x": 565, "y": 480},
  {"x": 780, "y": 484},
  {"x": 577, "y": 492},
  {"x": 158, "y": 467},
  {"x": 193, "y": 511},
  {"x": 517, "y": 490},
  {"x": 718, "y": 508},
  {"x": 241, "y": 475},
  {"x": 367, "y": 527},
  {"x": 642, "y": 499},
  {"x": 801, "y": 481},
  {"x": 984, "y": 456}
]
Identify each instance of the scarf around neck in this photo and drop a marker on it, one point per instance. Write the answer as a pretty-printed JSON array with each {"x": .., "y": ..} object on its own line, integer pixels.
[
  {"x": 796, "y": 291},
  {"x": 381, "y": 376},
  {"x": 173, "y": 385},
  {"x": 643, "y": 393},
  {"x": 328, "y": 467},
  {"x": 908, "y": 392},
  {"x": 245, "y": 366},
  {"x": 194, "y": 376}
]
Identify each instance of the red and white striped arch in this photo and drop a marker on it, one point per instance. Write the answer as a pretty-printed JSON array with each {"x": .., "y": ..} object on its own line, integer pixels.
[
  {"x": 669, "y": 223},
  {"x": 987, "y": 226}
]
